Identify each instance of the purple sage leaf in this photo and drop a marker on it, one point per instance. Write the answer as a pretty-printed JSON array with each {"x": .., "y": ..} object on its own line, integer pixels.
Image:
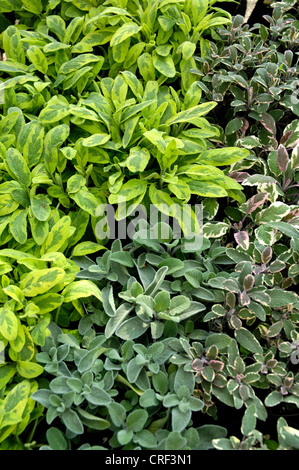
[
  {"x": 267, "y": 254},
  {"x": 244, "y": 298},
  {"x": 291, "y": 215},
  {"x": 269, "y": 123},
  {"x": 231, "y": 285},
  {"x": 285, "y": 137},
  {"x": 248, "y": 282},
  {"x": 239, "y": 176},
  {"x": 197, "y": 364},
  {"x": 235, "y": 322},
  {"x": 255, "y": 201},
  {"x": 216, "y": 365},
  {"x": 230, "y": 300},
  {"x": 242, "y": 239},
  {"x": 282, "y": 158}
]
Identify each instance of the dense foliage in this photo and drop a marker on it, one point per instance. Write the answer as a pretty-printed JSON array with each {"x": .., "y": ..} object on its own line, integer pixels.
[{"x": 138, "y": 338}]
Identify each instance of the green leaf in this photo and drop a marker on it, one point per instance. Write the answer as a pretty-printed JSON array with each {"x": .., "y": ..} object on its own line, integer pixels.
[
  {"x": 156, "y": 138},
  {"x": 39, "y": 230},
  {"x": 138, "y": 159},
  {"x": 78, "y": 289},
  {"x": 40, "y": 281},
  {"x": 162, "y": 301},
  {"x": 86, "y": 200},
  {"x": 132, "y": 328},
  {"x": 41, "y": 207},
  {"x": 11, "y": 66},
  {"x": 207, "y": 433},
  {"x": 130, "y": 111},
  {"x": 58, "y": 235},
  {"x": 56, "y": 110},
  {"x": 95, "y": 140},
  {"x": 38, "y": 59},
  {"x": 192, "y": 114},
  {"x": 146, "y": 67},
  {"x": 193, "y": 277},
  {"x": 233, "y": 126},
  {"x": 117, "y": 413},
  {"x": 281, "y": 298},
  {"x": 85, "y": 248},
  {"x": 92, "y": 421},
  {"x": 72, "y": 421},
  {"x": 274, "y": 398},
  {"x": 28, "y": 369},
  {"x": 206, "y": 188},
  {"x": 184, "y": 214},
  {"x": 284, "y": 227},
  {"x": 222, "y": 156},
  {"x": 215, "y": 230},
  {"x": 175, "y": 441},
  {"x": 120, "y": 51},
  {"x": 136, "y": 420},
  {"x": 88, "y": 359},
  {"x": 75, "y": 183},
  {"x": 184, "y": 382},
  {"x": 18, "y": 167},
  {"x": 128, "y": 191},
  {"x": 14, "y": 404},
  {"x": 122, "y": 257},
  {"x": 222, "y": 444},
  {"x": 98, "y": 396},
  {"x": 265, "y": 235},
  {"x": 164, "y": 50},
  {"x": 8, "y": 323},
  {"x": 170, "y": 155},
  {"x": 146, "y": 439},
  {"x": 53, "y": 140},
  {"x": 181, "y": 190},
  {"x": 34, "y": 6},
  {"x": 148, "y": 399},
  {"x": 57, "y": 25},
  {"x": 172, "y": 264},
  {"x": 164, "y": 65},
  {"x": 274, "y": 213},
  {"x": 187, "y": 49},
  {"x": 290, "y": 436},
  {"x": 7, "y": 204},
  {"x": 6, "y": 373},
  {"x": 249, "y": 420},
  {"x": 248, "y": 341},
  {"x": 120, "y": 315},
  {"x": 14, "y": 292},
  {"x": 20, "y": 195},
  {"x": 18, "y": 226},
  {"x": 179, "y": 420},
  {"x": 179, "y": 304},
  {"x": 125, "y": 31},
  {"x": 124, "y": 436},
  {"x": 30, "y": 142},
  {"x": 8, "y": 122},
  {"x": 275, "y": 329},
  {"x": 77, "y": 62},
  {"x": 221, "y": 340},
  {"x": 56, "y": 439},
  {"x": 41, "y": 331}
]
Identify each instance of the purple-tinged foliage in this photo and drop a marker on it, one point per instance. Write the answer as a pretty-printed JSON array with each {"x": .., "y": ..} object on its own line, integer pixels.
[{"x": 282, "y": 158}]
